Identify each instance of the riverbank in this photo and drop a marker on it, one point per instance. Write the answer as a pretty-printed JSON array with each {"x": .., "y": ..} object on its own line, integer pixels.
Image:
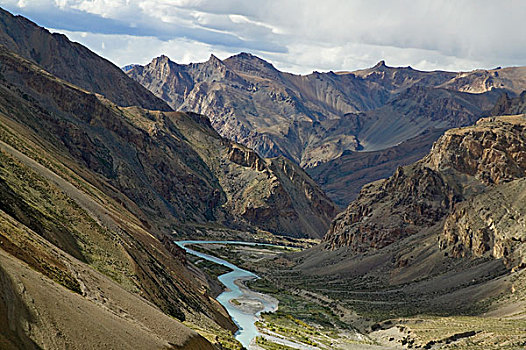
[
  {"x": 245, "y": 313},
  {"x": 250, "y": 301}
]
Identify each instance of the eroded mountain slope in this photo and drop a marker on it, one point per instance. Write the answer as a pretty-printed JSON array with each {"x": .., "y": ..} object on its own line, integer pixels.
[
  {"x": 73, "y": 62},
  {"x": 442, "y": 240},
  {"x": 314, "y": 118},
  {"x": 148, "y": 159},
  {"x": 61, "y": 227}
]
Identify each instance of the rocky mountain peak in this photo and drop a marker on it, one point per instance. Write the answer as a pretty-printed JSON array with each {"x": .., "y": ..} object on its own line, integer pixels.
[
  {"x": 463, "y": 164},
  {"x": 213, "y": 59},
  {"x": 162, "y": 58},
  {"x": 248, "y": 57},
  {"x": 380, "y": 64},
  {"x": 162, "y": 61},
  {"x": 251, "y": 64},
  {"x": 245, "y": 56}
]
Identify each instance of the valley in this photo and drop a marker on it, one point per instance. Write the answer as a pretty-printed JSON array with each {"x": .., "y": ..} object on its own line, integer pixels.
[
  {"x": 296, "y": 320},
  {"x": 227, "y": 204},
  {"x": 312, "y": 316}
]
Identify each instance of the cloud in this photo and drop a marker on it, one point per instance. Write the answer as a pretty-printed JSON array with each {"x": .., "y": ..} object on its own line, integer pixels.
[
  {"x": 298, "y": 35},
  {"x": 139, "y": 49}
]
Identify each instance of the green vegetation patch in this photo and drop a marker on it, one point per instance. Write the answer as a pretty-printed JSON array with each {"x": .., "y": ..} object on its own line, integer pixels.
[
  {"x": 270, "y": 345},
  {"x": 210, "y": 268},
  {"x": 297, "y": 306}
]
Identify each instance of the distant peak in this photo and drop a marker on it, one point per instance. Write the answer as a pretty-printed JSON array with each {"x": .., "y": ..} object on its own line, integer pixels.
[
  {"x": 213, "y": 58},
  {"x": 214, "y": 61},
  {"x": 245, "y": 55},
  {"x": 380, "y": 64},
  {"x": 248, "y": 58},
  {"x": 161, "y": 59}
]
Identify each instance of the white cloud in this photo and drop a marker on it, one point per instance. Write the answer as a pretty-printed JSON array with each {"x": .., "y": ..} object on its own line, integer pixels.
[
  {"x": 132, "y": 49},
  {"x": 298, "y": 35}
]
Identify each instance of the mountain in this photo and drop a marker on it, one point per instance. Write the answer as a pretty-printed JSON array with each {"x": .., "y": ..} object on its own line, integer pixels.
[
  {"x": 276, "y": 113},
  {"x": 463, "y": 164},
  {"x": 436, "y": 252},
  {"x": 343, "y": 178},
  {"x": 93, "y": 193},
  {"x": 314, "y": 118},
  {"x": 272, "y": 194},
  {"x": 88, "y": 246},
  {"x": 73, "y": 62},
  {"x": 145, "y": 156},
  {"x": 317, "y": 118}
]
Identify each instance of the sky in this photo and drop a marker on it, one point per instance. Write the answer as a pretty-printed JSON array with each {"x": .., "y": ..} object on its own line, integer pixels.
[{"x": 296, "y": 36}]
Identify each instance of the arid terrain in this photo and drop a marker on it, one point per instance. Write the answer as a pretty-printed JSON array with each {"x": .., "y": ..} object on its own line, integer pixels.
[
  {"x": 382, "y": 208},
  {"x": 434, "y": 255},
  {"x": 352, "y": 123}
]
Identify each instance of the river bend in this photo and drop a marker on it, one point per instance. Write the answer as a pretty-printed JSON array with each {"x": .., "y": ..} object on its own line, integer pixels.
[{"x": 244, "y": 317}]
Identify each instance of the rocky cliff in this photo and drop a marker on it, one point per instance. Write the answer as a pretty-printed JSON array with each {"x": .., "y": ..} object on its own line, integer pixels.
[
  {"x": 489, "y": 225},
  {"x": 507, "y": 105},
  {"x": 469, "y": 184}
]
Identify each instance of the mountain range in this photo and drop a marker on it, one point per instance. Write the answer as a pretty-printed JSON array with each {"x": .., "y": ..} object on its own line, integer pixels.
[
  {"x": 320, "y": 117},
  {"x": 99, "y": 174}
]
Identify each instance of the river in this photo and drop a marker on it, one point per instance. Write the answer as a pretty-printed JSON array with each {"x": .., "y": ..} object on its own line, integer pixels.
[{"x": 247, "y": 313}]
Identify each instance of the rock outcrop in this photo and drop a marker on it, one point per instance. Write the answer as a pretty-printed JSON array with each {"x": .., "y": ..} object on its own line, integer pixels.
[
  {"x": 471, "y": 184},
  {"x": 388, "y": 210},
  {"x": 490, "y": 225},
  {"x": 507, "y": 105}
]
